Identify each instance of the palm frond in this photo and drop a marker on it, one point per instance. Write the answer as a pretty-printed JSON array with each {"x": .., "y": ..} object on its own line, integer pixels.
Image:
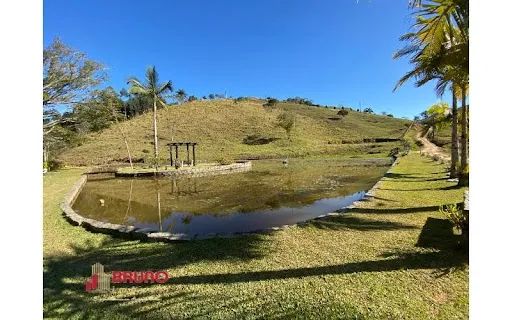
[{"x": 166, "y": 87}]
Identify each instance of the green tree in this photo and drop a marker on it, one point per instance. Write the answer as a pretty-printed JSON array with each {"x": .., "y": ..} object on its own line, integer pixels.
[
  {"x": 156, "y": 91},
  {"x": 439, "y": 50},
  {"x": 343, "y": 112},
  {"x": 68, "y": 77},
  {"x": 270, "y": 102},
  {"x": 286, "y": 120},
  {"x": 112, "y": 105},
  {"x": 181, "y": 95},
  {"x": 437, "y": 116}
]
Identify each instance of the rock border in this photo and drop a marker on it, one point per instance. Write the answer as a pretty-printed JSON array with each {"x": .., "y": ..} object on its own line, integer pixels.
[
  {"x": 239, "y": 166},
  {"x": 144, "y": 234}
]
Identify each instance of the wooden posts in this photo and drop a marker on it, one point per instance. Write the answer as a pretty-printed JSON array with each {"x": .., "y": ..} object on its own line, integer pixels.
[
  {"x": 174, "y": 156},
  {"x": 188, "y": 155},
  {"x": 194, "y": 154}
]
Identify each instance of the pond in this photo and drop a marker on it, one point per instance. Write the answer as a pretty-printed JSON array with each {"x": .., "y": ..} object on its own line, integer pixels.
[{"x": 270, "y": 195}]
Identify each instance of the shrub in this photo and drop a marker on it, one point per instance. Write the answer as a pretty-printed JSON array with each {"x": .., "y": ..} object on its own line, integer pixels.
[
  {"x": 394, "y": 152},
  {"x": 271, "y": 102},
  {"x": 342, "y": 112},
  {"x": 458, "y": 217},
  {"x": 153, "y": 161},
  {"x": 53, "y": 164},
  {"x": 224, "y": 161}
]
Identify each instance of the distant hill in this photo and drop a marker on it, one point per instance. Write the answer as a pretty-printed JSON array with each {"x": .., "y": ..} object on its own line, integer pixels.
[{"x": 242, "y": 130}]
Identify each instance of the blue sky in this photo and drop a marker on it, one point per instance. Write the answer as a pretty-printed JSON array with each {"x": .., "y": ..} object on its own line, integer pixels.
[{"x": 335, "y": 52}]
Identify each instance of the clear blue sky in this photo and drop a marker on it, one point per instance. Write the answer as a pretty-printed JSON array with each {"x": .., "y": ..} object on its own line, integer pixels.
[{"x": 331, "y": 51}]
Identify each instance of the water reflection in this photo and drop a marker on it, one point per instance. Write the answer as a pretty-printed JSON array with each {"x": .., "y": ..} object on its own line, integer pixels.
[{"x": 270, "y": 195}]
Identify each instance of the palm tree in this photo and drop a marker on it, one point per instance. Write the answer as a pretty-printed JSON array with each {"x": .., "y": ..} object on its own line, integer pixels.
[
  {"x": 440, "y": 51},
  {"x": 156, "y": 92},
  {"x": 181, "y": 95}
]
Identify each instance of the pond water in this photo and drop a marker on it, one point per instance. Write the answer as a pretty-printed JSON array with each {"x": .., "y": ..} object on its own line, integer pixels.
[{"x": 269, "y": 195}]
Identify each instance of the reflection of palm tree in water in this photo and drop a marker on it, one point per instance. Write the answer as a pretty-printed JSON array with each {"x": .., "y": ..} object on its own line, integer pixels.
[
  {"x": 128, "y": 208},
  {"x": 157, "y": 186}
]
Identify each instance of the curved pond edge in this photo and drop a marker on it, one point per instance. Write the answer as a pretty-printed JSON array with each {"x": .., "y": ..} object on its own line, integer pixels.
[{"x": 134, "y": 233}]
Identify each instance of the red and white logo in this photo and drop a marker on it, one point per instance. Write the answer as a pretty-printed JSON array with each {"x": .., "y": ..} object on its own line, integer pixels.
[{"x": 100, "y": 281}]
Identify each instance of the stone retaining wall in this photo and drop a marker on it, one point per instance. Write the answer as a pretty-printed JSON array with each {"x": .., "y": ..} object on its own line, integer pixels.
[{"x": 195, "y": 171}]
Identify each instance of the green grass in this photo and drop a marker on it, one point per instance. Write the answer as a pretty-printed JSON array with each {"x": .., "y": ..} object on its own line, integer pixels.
[
  {"x": 220, "y": 126},
  {"x": 393, "y": 257}
]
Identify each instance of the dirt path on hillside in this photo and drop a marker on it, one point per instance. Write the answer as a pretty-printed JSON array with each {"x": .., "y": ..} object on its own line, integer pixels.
[{"x": 431, "y": 149}]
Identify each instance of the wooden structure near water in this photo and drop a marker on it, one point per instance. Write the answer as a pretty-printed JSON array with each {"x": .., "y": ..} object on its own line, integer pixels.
[{"x": 175, "y": 153}]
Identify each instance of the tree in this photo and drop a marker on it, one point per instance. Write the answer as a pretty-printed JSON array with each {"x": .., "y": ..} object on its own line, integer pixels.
[
  {"x": 368, "y": 110},
  {"x": 437, "y": 116},
  {"x": 343, "y": 112},
  {"x": 111, "y": 102},
  {"x": 181, "y": 95},
  {"x": 270, "y": 102},
  {"x": 68, "y": 76},
  {"x": 439, "y": 47},
  {"x": 191, "y": 98},
  {"x": 156, "y": 91},
  {"x": 286, "y": 120}
]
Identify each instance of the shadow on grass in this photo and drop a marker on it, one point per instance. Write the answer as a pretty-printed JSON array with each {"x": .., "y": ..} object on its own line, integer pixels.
[
  {"x": 68, "y": 299},
  {"x": 393, "y": 210},
  {"x": 345, "y": 222},
  {"x": 454, "y": 187},
  {"x": 435, "y": 234},
  {"x": 116, "y": 254}
]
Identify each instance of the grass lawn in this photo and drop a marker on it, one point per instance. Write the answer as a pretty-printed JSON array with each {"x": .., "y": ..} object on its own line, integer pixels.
[{"x": 393, "y": 256}]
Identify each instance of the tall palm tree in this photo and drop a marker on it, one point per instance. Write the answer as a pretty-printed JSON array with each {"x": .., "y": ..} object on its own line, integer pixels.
[
  {"x": 156, "y": 91},
  {"x": 440, "y": 51}
]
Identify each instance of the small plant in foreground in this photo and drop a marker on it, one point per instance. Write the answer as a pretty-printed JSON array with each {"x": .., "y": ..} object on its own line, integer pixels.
[{"x": 458, "y": 217}]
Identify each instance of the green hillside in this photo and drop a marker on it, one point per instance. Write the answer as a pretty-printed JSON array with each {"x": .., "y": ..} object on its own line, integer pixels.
[{"x": 220, "y": 127}]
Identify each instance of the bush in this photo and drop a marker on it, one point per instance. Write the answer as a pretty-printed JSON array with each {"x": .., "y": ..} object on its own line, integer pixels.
[
  {"x": 53, "y": 164},
  {"x": 394, "y": 152},
  {"x": 342, "y": 112},
  {"x": 458, "y": 217},
  {"x": 152, "y": 161},
  {"x": 271, "y": 102},
  {"x": 224, "y": 161}
]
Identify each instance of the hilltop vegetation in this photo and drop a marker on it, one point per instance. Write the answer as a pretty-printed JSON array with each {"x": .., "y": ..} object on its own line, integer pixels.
[{"x": 245, "y": 129}]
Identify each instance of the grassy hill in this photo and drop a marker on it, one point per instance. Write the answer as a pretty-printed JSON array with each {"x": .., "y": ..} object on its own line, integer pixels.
[{"x": 220, "y": 127}]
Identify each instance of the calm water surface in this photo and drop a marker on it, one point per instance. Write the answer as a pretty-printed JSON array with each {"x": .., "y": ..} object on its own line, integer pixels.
[{"x": 269, "y": 195}]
